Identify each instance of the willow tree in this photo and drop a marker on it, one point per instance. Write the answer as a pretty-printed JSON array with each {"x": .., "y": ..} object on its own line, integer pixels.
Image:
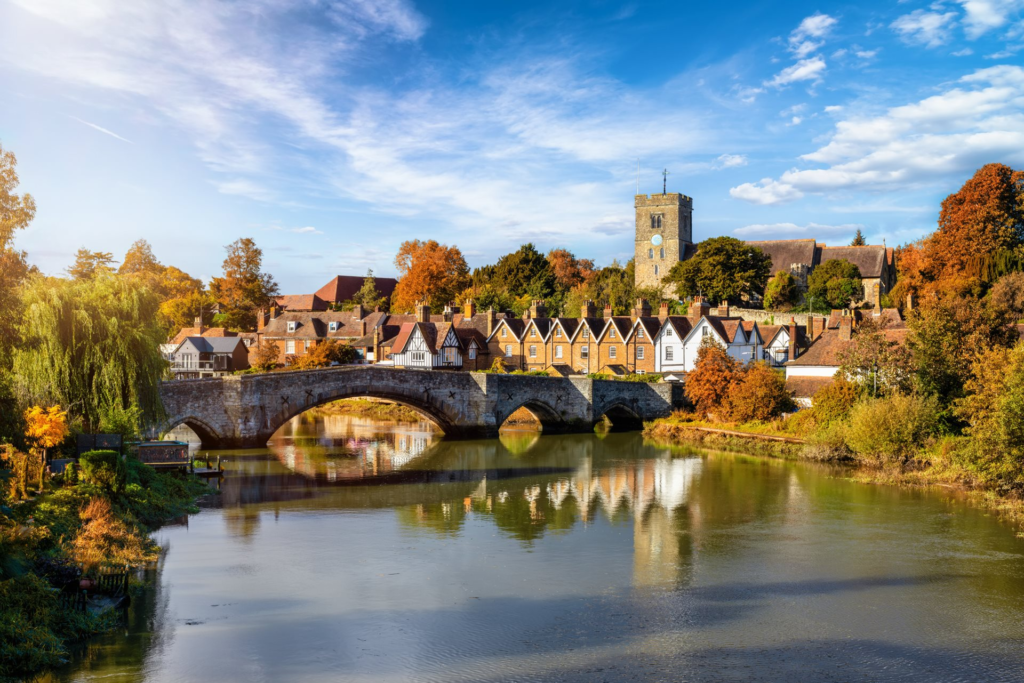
[{"x": 91, "y": 346}]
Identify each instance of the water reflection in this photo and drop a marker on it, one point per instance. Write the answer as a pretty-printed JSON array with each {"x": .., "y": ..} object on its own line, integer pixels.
[{"x": 364, "y": 551}]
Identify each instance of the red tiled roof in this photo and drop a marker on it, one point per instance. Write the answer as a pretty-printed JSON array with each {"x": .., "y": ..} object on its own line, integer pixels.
[
  {"x": 344, "y": 287},
  {"x": 404, "y": 335},
  {"x": 301, "y": 302},
  {"x": 207, "y": 332}
]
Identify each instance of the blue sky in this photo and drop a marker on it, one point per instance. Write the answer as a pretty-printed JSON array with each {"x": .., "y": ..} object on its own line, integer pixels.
[{"x": 332, "y": 130}]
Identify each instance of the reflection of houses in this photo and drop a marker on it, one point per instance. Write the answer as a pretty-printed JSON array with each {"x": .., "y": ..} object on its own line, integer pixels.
[{"x": 208, "y": 357}]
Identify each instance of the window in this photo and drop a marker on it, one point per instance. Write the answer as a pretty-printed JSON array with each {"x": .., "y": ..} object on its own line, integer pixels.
[
  {"x": 611, "y": 334},
  {"x": 417, "y": 356},
  {"x": 611, "y": 352},
  {"x": 584, "y": 352},
  {"x": 668, "y": 331},
  {"x": 656, "y": 221},
  {"x": 533, "y": 351},
  {"x": 586, "y": 333},
  {"x": 639, "y": 333},
  {"x": 533, "y": 332},
  {"x": 508, "y": 350},
  {"x": 558, "y": 332},
  {"x": 668, "y": 353},
  {"x": 291, "y": 325},
  {"x": 504, "y": 332},
  {"x": 449, "y": 355},
  {"x": 289, "y": 346},
  {"x": 639, "y": 353},
  {"x": 650, "y": 253},
  {"x": 308, "y": 344},
  {"x": 655, "y": 270},
  {"x": 704, "y": 332},
  {"x": 663, "y": 252},
  {"x": 558, "y": 352},
  {"x": 333, "y": 327},
  {"x": 472, "y": 352}
]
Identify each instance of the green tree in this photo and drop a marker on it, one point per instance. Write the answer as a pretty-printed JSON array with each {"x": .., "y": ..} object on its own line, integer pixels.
[
  {"x": 525, "y": 272},
  {"x": 244, "y": 287},
  {"x": 858, "y": 239},
  {"x": 723, "y": 269},
  {"x": 876, "y": 360},
  {"x": 836, "y": 282},
  {"x": 89, "y": 263},
  {"x": 90, "y": 345},
  {"x": 368, "y": 295},
  {"x": 781, "y": 293}
]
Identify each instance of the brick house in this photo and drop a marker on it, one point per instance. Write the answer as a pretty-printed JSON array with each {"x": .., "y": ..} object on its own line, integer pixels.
[
  {"x": 297, "y": 333},
  {"x": 584, "y": 341}
]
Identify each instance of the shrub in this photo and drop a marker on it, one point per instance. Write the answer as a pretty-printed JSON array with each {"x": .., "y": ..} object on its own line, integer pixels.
[
  {"x": 106, "y": 539},
  {"x": 781, "y": 293},
  {"x": 714, "y": 373},
  {"x": 758, "y": 394},
  {"x": 103, "y": 468},
  {"x": 323, "y": 354},
  {"x": 834, "y": 401},
  {"x": 892, "y": 429},
  {"x": 643, "y": 379}
]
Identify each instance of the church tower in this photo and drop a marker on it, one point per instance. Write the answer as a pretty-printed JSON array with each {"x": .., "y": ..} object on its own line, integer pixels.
[{"x": 664, "y": 235}]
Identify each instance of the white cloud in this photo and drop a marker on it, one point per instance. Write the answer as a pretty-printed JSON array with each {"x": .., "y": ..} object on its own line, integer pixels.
[
  {"x": 730, "y": 161},
  {"x": 765, "y": 192},
  {"x": 833, "y": 108},
  {"x": 795, "y": 121},
  {"x": 966, "y": 52},
  {"x": 245, "y": 188},
  {"x": 982, "y": 16},
  {"x": 940, "y": 137},
  {"x": 841, "y": 52},
  {"x": 792, "y": 230},
  {"x": 809, "y": 35},
  {"x": 925, "y": 28},
  {"x": 867, "y": 54},
  {"x": 804, "y": 70},
  {"x": 308, "y": 230}
]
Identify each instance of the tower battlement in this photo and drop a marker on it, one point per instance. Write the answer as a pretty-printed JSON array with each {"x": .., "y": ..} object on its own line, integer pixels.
[
  {"x": 662, "y": 199},
  {"x": 664, "y": 234}
]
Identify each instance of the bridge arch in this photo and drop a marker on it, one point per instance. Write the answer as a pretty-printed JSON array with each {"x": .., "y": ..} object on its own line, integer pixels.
[
  {"x": 549, "y": 418},
  {"x": 206, "y": 433},
  {"x": 622, "y": 416}
]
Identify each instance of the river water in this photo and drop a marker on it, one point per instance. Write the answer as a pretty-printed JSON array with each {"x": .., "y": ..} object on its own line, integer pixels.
[{"x": 353, "y": 550}]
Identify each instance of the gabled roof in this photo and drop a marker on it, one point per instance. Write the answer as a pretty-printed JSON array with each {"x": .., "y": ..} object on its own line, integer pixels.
[
  {"x": 471, "y": 334},
  {"x": 753, "y": 332},
  {"x": 543, "y": 326},
  {"x": 515, "y": 325},
  {"x": 301, "y": 302},
  {"x": 869, "y": 259},
  {"x": 651, "y": 327},
  {"x": 317, "y": 325},
  {"x": 568, "y": 326},
  {"x": 680, "y": 324},
  {"x": 212, "y": 344},
  {"x": 344, "y": 287},
  {"x": 785, "y": 253},
  {"x": 595, "y": 325},
  {"x": 622, "y": 326}
]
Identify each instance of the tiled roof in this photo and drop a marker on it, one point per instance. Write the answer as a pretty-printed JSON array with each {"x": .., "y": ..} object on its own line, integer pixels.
[
  {"x": 515, "y": 326},
  {"x": 468, "y": 334},
  {"x": 806, "y": 387},
  {"x": 824, "y": 351},
  {"x": 301, "y": 302},
  {"x": 213, "y": 344},
  {"x": 869, "y": 259},
  {"x": 785, "y": 253},
  {"x": 653, "y": 325},
  {"x": 596, "y": 325},
  {"x": 543, "y": 326},
  {"x": 568, "y": 326},
  {"x": 404, "y": 335},
  {"x": 207, "y": 332},
  {"x": 622, "y": 325},
  {"x": 344, "y": 287},
  {"x": 317, "y": 325}
]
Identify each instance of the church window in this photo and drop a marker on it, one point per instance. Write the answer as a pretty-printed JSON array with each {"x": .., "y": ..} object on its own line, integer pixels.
[
  {"x": 650, "y": 253},
  {"x": 656, "y": 221},
  {"x": 655, "y": 270},
  {"x": 663, "y": 252}
]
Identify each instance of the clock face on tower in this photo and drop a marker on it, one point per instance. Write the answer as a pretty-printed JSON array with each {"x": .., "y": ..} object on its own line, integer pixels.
[{"x": 656, "y": 240}]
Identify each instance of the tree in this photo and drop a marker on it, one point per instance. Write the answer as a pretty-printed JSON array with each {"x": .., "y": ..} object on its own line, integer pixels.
[
  {"x": 1008, "y": 295},
  {"x": 428, "y": 271},
  {"x": 723, "y": 269},
  {"x": 781, "y": 293},
  {"x": 858, "y": 239},
  {"x": 713, "y": 375},
  {"x": 244, "y": 288},
  {"x": 613, "y": 284},
  {"x": 139, "y": 260},
  {"x": 568, "y": 270},
  {"x": 877, "y": 361},
  {"x": 46, "y": 428},
  {"x": 758, "y": 393},
  {"x": 368, "y": 295},
  {"x": 88, "y": 263},
  {"x": 175, "y": 314},
  {"x": 263, "y": 357},
  {"x": 836, "y": 282},
  {"x": 324, "y": 354},
  {"x": 90, "y": 345},
  {"x": 525, "y": 272}
]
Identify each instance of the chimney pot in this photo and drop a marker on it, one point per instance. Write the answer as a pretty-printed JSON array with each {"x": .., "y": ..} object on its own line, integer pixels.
[{"x": 663, "y": 311}]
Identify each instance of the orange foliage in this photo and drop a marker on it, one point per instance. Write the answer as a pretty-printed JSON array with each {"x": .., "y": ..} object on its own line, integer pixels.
[
  {"x": 106, "y": 540},
  {"x": 430, "y": 272},
  {"x": 759, "y": 394},
  {"x": 568, "y": 270},
  {"x": 707, "y": 386},
  {"x": 46, "y": 427}
]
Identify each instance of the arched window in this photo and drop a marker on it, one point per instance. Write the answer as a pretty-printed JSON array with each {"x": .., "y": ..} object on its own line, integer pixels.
[
  {"x": 655, "y": 270},
  {"x": 663, "y": 252},
  {"x": 650, "y": 253}
]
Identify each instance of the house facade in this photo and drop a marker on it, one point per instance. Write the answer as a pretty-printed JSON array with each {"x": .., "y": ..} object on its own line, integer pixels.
[
  {"x": 197, "y": 357},
  {"x": 679, "y": 339}
]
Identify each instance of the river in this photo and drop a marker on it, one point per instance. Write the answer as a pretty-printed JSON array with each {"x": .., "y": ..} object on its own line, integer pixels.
[{"x": 353, "y": 550}]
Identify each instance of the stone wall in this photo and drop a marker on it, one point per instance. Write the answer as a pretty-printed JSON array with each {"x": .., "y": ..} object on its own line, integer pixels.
[{"x": 765, "y": 317}]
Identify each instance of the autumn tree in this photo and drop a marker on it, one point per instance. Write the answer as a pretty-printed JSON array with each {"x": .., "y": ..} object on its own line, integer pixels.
[
  {"x": 264, "y": 356},
  {"x": 714, "y": 373},
  {"x": 858, "y": 239},
  {"x": 568, "y": 270},
  {"x": 428, "y": 271},
  {"x": 45, "y": 428},
  {"x": 836, "y": 283},
  {"x": 324, "y": 354},
  {"x": 758, "y": 393},
  {"x": 244, "y": 288},
  {"x": 139, "y": 260},
  {"x": 88, "y": 263},
  {"x": 877, "y": 359},
  {"x": 723, "y": 269},
  {"x": 781, "y": 292}
]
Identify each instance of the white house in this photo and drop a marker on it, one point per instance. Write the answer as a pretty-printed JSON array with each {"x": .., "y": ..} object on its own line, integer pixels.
[
  {"x": 782, "y": 343},
  {"x": 428, "y": 346},
  {"x": 680, "y": 338}
]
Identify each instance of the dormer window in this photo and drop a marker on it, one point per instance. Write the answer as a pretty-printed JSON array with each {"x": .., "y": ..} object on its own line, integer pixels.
[
  {"x": 333, "y": 327},
  {"x": 292, "y": 325}
]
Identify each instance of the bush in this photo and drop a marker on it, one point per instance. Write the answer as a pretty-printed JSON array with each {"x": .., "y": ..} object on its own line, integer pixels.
[
  {"x": 106, "y": 539},
  {"x": 643, "y": 379},
  {"x": 714, "y": 373},
  {"x": 834, "y": 402},
  {"x": 891, "y": 430},
  {"x": 759, "y": 394},
  {"x": 103, "y": 468}
]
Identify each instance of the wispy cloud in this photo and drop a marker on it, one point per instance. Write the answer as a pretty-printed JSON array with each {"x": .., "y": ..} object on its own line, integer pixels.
[
  {"x": 730, "y": 161},
  {"x": 804, "y": 70},
  {"x": 810, "y": 34},
  {"x": 922, "y": 27},
  {"x": 308, "y": 230},
  {"x": 102, "y": 130}
]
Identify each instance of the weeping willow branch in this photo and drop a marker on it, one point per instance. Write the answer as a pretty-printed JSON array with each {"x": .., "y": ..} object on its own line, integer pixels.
[{"x": 91, "y": 346}]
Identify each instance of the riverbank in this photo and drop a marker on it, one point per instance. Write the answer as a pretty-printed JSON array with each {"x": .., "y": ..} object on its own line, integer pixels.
[
  {"x": 938, "y": 463},
  {"x": 65, "y": 533}
]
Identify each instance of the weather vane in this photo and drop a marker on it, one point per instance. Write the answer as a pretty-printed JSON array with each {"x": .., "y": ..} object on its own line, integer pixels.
[{"x": 664, "y": 181}]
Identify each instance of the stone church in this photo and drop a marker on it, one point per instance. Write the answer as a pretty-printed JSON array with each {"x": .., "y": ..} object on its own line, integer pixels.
[{"x": 664, "y": 236}]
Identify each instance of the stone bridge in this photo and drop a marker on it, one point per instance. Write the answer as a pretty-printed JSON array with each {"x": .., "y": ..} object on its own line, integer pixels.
[{"x": 244, "y": 411}]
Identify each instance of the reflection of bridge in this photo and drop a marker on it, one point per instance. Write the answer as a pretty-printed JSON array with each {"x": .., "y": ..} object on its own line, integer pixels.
[{"x": 245, "y": 410}]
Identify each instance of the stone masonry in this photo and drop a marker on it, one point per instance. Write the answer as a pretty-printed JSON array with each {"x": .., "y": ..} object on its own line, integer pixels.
[
  {"x": 243, "y": 411},
  {"x": 670, "y": 217}
]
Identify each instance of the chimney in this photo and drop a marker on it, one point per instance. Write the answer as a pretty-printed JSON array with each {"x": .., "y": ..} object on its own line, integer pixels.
[
  {"x": 846, "y": 328},
  {"x": 698, "y": 309},
  {"x": 663, "y": 311},
  {"x": 587, "y": 310},
  {"x": 198, "y": 324},
  {"x": 422, "y": 312},
  {"x": 538, "y": 309},
  {"x": 817, "y": 326},
  {"x": 642, "y": 309},
  {"x": 470, "y": 308},
  {"x": 449, "y": 312},
  {"x": 274, "y": 312},
  {"x": 261, "y": 319},
  {"x": 723, "y": 310},
  {"x": 876, "y": 291},
  {"x": 792, "y": 339},
  {"x": 376, "y": 345},
  {"x": 358, "y": 311},
  {"x": 607, "y": 311},
  {"x": 362, "y": 328},
  {"x": 490, "y": 322}
]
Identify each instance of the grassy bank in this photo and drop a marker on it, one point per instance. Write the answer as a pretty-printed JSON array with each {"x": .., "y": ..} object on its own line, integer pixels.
[
  {"x": 68, "y": 531},
  {"x": 369, "y": 408}
]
